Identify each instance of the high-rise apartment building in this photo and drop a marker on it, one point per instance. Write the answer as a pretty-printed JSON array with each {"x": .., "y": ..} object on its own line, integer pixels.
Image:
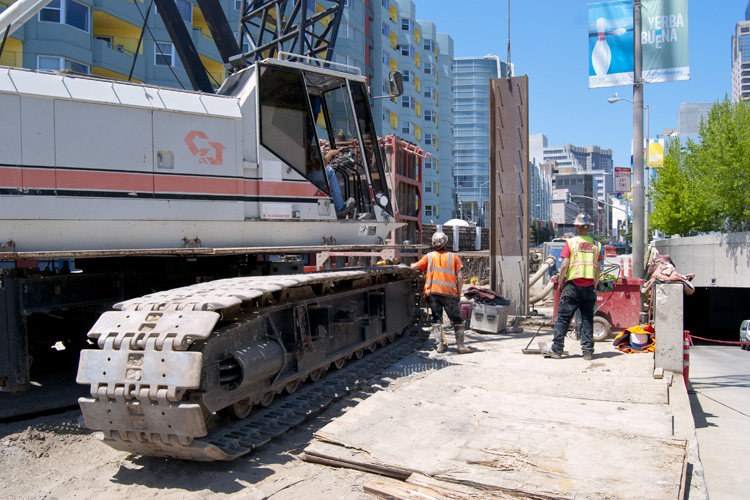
[
  {"x": 741, "y": 58},
  {"x": 472, "y": 131},
  {"x": 104, "y": 38},
  {"x": 423, "y": 115}
]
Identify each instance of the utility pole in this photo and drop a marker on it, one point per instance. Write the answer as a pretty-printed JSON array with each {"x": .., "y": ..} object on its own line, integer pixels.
[{"x": 639, "y": 249}]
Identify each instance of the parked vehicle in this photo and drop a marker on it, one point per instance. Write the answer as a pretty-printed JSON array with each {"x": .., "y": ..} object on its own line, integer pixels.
[{"x": 745, "y": 334}]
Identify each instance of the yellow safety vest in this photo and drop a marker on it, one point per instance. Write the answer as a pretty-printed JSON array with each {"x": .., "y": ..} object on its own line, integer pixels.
[
  {"x": 584, "y": 257},
  {"x": 440, "y": 276}
]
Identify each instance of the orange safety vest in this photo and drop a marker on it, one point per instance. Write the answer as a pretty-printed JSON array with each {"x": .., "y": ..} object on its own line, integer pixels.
[
  {"x": 584, "y": 258},
  {"x": 440, "y": 276}
]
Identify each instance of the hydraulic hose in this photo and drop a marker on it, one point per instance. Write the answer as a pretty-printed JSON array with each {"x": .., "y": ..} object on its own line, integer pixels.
[
  {"x": 545, "y": 291},
  {"x": 548, "y": 262}
]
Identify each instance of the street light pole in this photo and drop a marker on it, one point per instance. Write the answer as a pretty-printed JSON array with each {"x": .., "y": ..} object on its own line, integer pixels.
[
  {"x": 645, "y": 165},
  {"x": 639, "y": 250}
]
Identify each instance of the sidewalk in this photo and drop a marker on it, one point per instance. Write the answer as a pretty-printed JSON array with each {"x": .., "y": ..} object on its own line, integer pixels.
[{"x": 498, "y": 421}]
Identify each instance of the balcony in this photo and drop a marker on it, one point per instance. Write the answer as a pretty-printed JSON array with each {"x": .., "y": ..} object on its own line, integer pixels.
[{"x": 113, "y": 58}]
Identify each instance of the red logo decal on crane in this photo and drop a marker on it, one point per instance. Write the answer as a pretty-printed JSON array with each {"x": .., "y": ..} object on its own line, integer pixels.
[{"x": 202, "y": 153}]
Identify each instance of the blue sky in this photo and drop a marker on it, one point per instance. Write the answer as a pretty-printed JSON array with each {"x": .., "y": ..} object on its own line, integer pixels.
[{"x": 549, "y": 44}]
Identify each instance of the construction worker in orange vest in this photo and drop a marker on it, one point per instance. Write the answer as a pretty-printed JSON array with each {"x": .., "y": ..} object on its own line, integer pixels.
[
  {"x": 442, "y": 291},
  {"x": 577, "y": 283}
]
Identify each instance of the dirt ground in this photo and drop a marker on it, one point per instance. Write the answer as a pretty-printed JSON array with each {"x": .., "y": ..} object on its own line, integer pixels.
[{"x": 54, "y": 458}]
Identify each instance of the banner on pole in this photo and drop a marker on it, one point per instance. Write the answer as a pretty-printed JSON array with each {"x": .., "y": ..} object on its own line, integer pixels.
[
  {"x": 664, "y": 42},
  {"x": 611, "y": 44},
  {"x": 655, "y": 155}
]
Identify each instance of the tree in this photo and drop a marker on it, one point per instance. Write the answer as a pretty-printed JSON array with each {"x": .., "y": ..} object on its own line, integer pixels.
[{"x": 705, "y": 186}]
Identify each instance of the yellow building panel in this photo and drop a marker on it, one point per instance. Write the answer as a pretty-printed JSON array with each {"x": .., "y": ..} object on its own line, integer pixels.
[
  {"x": 417, "y": 36},
  {"x": 394, "y": 121},
  {"x": 437, "y": 188},
  {"x": 12, "y": 53},
  {"x": 418, "y": 109},
  {"x": 215, "y": 70},
  {"x": 393, "y": 65},
  {"x": 437, "y": 142},
  {"x": 417, "y": 84},
  {"x": 123, "y": 33},
  {"x": 393, "y": 39},
  {"x": 436, "y": 164},
  {"x": 418, "y": 133},
  {"x": 106, "y": 73},
  {"x": 418, "y": 60},
  {"x": 393, "y": 13}
]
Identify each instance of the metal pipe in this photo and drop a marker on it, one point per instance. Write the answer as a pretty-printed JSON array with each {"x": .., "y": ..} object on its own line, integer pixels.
[{"x": 20, "y": 12}]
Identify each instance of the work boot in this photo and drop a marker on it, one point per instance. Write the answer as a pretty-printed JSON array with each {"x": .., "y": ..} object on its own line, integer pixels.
[
  {"x": 547, "y": 352},
  {"x": 437, "y": 333},
  {"x": 461, "y": 348},
  {"x": 588, "y": 356},
  {"x": 347, "y": 209}
]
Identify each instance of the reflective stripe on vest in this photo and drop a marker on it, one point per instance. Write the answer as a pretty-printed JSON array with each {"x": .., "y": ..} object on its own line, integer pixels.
[
  {"x": 584, "y": 258},
  {"x": 440, "y": 277}
]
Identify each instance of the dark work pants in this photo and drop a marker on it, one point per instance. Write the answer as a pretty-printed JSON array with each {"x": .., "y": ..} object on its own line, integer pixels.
[
  {"x": 574, "y": 298},
  {"x": 438, "y": 302}
]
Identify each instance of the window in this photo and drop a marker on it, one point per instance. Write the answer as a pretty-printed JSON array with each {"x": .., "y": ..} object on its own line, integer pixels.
[
  {"x": 166, "y": 55},
  {"x": 407, "y": 102},
  {"x": 66, "y": 12},
  {"x": 386, "y": 30},
  {"x": 406, "y": 25},
  {"x": 185, "y": 8},
  {"x": 346, "y": 31},
  {"x": 407, "y": 75},
  {"x": 428, "y": 139},
  {"x": 56, "y": 63},
  {"x": 427, "y": 163},
  {"x": 238, "y": 4},
  {"x": 344, "y": 59},
  {"x": 386, "y": 58},
  {"x": 428, "y": 186},
  {"x": 428, "y": 44},
  {"x": 428, "y": 209},
  {"x": 428, "y": 68},
  {"x": 407, "y": 128},
  {"x": 428, "y": 117},
  {"x": 385, "y": 3},
  {"x": 407, "y": 50},
  {"x": 427, "y": 91}
]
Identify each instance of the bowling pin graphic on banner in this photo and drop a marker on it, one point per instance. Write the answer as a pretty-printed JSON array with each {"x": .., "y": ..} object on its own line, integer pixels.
[{"x": 601, "y": 56}]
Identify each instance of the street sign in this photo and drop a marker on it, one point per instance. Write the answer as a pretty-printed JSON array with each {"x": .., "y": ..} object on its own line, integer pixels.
[{"x": 622, "y": 179}]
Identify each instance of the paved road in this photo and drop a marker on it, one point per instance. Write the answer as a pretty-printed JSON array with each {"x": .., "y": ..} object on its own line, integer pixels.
[{"x": 720, "y": 400}]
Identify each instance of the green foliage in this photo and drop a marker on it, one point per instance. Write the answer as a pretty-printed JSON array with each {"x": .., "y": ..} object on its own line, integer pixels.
[{"x": 705, "y": 186}]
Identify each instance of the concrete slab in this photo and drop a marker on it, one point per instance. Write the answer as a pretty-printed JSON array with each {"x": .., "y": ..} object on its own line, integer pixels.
[{"x": 504, "y": 420}]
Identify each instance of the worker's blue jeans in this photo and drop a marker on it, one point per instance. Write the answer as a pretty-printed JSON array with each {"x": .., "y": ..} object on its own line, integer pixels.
[{"x": 574, "y": 298}]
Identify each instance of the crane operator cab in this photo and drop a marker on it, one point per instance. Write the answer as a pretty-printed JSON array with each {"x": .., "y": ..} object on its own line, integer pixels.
[{"x": 305, "y": 111}]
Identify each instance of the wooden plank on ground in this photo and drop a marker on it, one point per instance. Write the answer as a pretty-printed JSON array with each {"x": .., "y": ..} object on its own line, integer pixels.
[{"x": 471, "y": 443}]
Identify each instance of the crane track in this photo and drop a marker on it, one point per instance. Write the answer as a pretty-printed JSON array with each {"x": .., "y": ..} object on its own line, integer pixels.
[
  {"x": 160, "y": 381},
  {"x": 234, "y": 439}
]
